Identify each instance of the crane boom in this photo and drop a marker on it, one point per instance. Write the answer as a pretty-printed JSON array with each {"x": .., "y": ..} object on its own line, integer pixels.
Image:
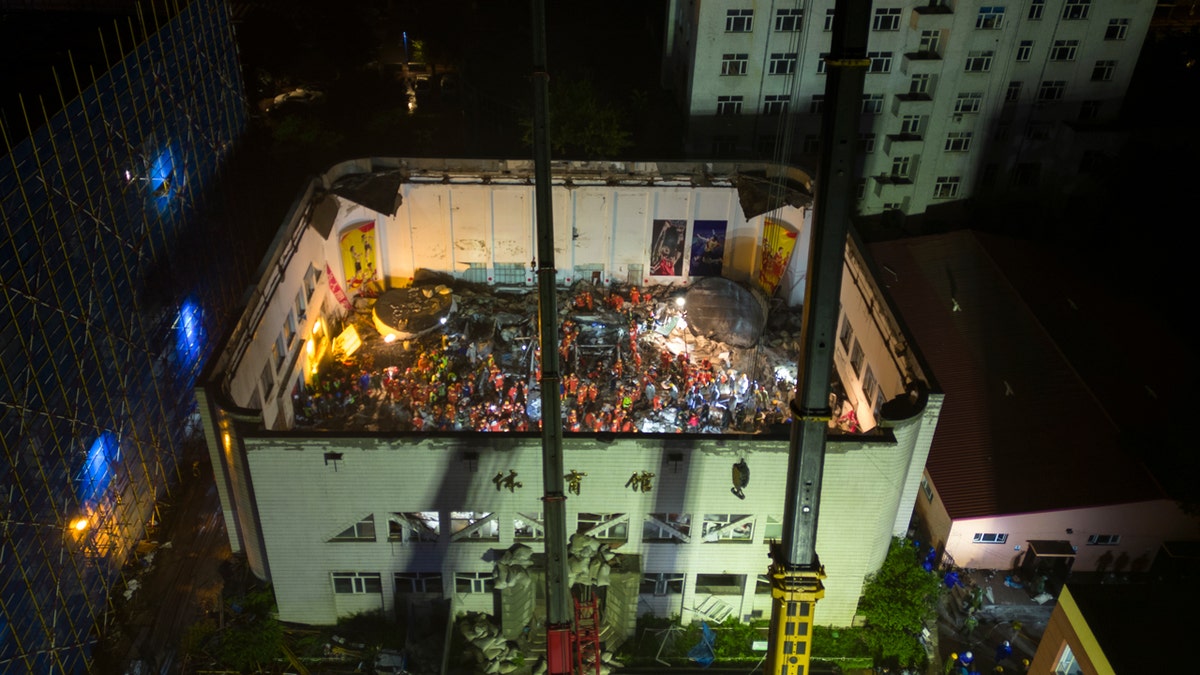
[{"x": 796, "y": 572}]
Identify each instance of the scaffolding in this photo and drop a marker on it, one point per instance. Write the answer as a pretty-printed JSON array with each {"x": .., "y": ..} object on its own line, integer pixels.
[{"x": 111, "y": 282}]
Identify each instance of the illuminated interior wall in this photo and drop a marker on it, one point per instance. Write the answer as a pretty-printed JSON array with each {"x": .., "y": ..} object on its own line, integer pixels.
[{"x": 107, "y": 307}]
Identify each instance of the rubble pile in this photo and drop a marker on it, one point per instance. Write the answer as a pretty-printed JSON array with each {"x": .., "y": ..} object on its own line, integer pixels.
[
  {"x": 589, "y": 562},
  {"x": 486, "y": 647},
  {"x": 512, "y": 568}
]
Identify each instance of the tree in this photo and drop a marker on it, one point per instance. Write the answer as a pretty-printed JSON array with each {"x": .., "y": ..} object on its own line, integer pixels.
[
  {"x": 897, "y": 602},
  {"x": 582, "y": 123}
]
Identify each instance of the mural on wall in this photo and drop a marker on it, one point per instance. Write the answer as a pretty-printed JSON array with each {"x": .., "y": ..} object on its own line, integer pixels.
[
  {"x": 666, "y": 250},
  {"x": 357, "y": 248},
  {"x": 779, "y": 240},
  {"x": 708, "y": 248}
]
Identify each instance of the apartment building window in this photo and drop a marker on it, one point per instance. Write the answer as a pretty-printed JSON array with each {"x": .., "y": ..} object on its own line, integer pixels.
[
  {"x": 866, "y": 143},
  {"x": 1013, "y": 93},
  {"x": 886, "y": 18},
  {"x": 990, "y": 538},
  {"x": 910, "y": 125},
  {"x": 888, "y": 207},
  {"x": 979, "y": 61},
  {"x": 474, "y": 582},
  {"x": 817, "y": 104},
  {"x": 1104, "y": 540},
  {"x": 1089, "y": 110},
  {"x": 946, "y": 187},
  {"x": 921, "y": 84},
  {"x": 828, "y": 20},
  {"x": 846, "y": 335},
  {"x": 1052, "y": 90},
  {"x": 1076, "y": 9},
  {"x": 734, "y": 64},
  {"x": 881, "y": 62},
  {"x": 900, "y": 167},
  {"x": 739, "y": 20},
  {"x": 729, "y": 105},
  {"x": 278, "y": 351},
  {"x": 860, "y": 189},
  {"x": 289, "y": 328},
  {"x": 857, "y": 355},
  {"x": 775, "y": 104},
  {"x": 1064, "y": 50},
  {"x": 267, "y": 380},
  {"x": 363, "y": 530},
  {"x": 788, "y": 20},
  {"x": 869, "y": 383},
  {"x": 301, "y": 303},
  {"x": 661, "y": 584},
  {"x": 723, "y": 145},
  {"x": 930, "y": 42},
  {"x": 822, "y": 63},
  {"x": 1024, "y": 50},
  {"x": 783, "y": 63},
  {"x": 927, "y": 489},
  {"x": 1036, "y": 9},
  {"x": 357, "y": 583},
  {"x": 872, "y": 104},
  {"x": 1117, "y": 29},
  {"x": 812, "y": 143},
  {"x": 311, "y": 277},
  {"x": 959, "y": 141},
  {"x": 1103, "y": 71},
  {"x": 968, "y": 102},
  {"x": 418, "y": 582},
  {"x": 991, "y": 17}
]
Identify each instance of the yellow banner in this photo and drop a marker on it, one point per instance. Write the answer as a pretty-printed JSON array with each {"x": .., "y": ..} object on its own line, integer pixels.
[{"x": 779, "y": 240}]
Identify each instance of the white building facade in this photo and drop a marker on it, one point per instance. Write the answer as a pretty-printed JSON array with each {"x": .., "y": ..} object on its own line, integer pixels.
[
  {"x": 961, "y": 98},
  {"x": 343, "y": 522}
]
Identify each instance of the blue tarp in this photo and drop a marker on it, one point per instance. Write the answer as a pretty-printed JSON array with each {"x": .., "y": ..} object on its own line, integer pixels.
[{"x": 703, "y": 653}]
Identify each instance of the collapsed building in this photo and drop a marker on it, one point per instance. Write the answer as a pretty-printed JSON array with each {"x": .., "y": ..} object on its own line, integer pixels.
[{"x": 373, "y": 417}]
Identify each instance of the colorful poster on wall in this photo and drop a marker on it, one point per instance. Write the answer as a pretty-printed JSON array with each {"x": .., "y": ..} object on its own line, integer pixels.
[
  {"x": 779, "y": 240},
  {"x": 357, "y": 246},
  {"x": 336, "y": 288},
  {"x": 666, "y": 248},
  {"x": 708, "y": 248}
]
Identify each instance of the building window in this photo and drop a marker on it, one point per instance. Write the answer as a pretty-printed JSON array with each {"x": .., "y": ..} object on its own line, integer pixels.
[
  {"x": 356, "y": 583},
  {"x": 866, "y": 143},
  {"x": 1024, "y": 50},
  {"x": 476, "y": 525},
  {"x": 788, "y": 20},
  {"x": 1103, "y": 71},
  {"x": 728, "y": 527},
  {"x": 958, "y": 141},
  {"x": 739, "y": 20},
  {"x": 968, "y": 102},
  {"x": 1064, "y": 50},
  {"x": 667, "y": 527},
  {"x": 990, "y": 538},
  {"x": 817, "y": 104},
  {"x": 416, "y": 526},
  {"x": 927, "y": 489},
  {"x": 782, "y": 63},
  {"x": 1117, "y": 29},
  {"x": 301, "y": 304},
  {"x": 979, "y": 61},
  {"x": 720, "y": 584},
  {"x": 857, "y": 356},
  {"x": 930, "y": 42},
  {"x": 1089, "y": 110},
  {"x": 363, "y": 530},
  {"x": 946, "y": 187},
  {"x": 812, "y": 143},
  {"x": 661, "y": 584},
  {"x": 1076, "y": 9},
  {"x": 529, "y": 527},
  {"x": 734, "y": 64},
  {"x": 723, "y": 145},
  {"x": 289, "y": 328},
  {"x": 1052, "y": 90},
  {"x": 311, "y": 277},
  {"x": 910, "y": 125},
  {"x": 881, "y": 62},
  {"x": 1027, "y": 174},
  {"x": 775, "y": 104},
  {"x": 729, "y": 105},
  {"x": 474, "y": 582},
  {"x": 869, "y": 384},
  {"x": 605, "y": 526},
  {"x": 278, "y": 352},
  {"x": 828, "y": 20},
  {"x": 418, "y": 582},
  {"x": 889, "y": 207},
  {"x": 1013, "y": 93},
  {"x": 1036, "y": 9},
  {"x": 1066, "y": 663},
  {"x": 872, "y": 104},
  {"x": 860, "y": 189},
  {"x": 846, "y": 335},
  {"x": 1104, "y": 540},
  {"x": 267, "y": 380},
  {"x": 822, "y": 63},
  {"x": 921, "y": 85},
  {"x": 991, "y": 17},
  {"x": 887, "y": 18}
]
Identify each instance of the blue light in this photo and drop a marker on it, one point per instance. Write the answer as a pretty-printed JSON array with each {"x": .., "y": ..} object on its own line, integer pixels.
[
  {"x": 97, "y": 469},
  {"x": 161, "y": 178},
  {"x": 189, "y": 334}
]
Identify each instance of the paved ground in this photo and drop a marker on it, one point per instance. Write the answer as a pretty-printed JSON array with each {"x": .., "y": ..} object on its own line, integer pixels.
[{"x": 998, "y": 619}]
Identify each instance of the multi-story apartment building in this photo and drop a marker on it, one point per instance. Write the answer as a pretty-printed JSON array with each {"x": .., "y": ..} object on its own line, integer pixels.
[{"x": 960, "y": 98}]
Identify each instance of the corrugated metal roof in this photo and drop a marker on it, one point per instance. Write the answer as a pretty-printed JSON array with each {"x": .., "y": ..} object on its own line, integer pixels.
[{"x": 1020, "y": 431}]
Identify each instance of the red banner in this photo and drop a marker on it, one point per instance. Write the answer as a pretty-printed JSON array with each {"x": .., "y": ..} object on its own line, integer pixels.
[{"x": 336, "y": 288}]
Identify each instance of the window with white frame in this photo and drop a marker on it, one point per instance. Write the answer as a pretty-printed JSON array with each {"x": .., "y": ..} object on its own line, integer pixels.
[
  {"x": 1052, "y": 90},
  {"x": 604, "y": 526},
  {"x": 872, "y": 104},
  {"x": 418, "y": 582},
  {"x": 734, "y": 64},
  {"x": 817, "y": 104},
  {"x": 910, "y": 125},
  {"x": 846, "y": 334},
  {"x": 886, "y": 18},
  {"x": 931, "y": 42},
  {"x": 728, "y": 527},
  {"x": 869, "y": 384},
  {"x": 782, "y": 63},
  {"x": 927, "y": 489},
  {"x": 474, "y": 582},
  {"x": 789, "y": 20},
  {"x": 476, "y": 525},
  {"x": 720, "y": 584},
  {"x": 881, "y": 62},
  {"x": 529, "y": 527},
  {"x": 1104, "y": 540},
  {"x": 1013, "y": 93},
  {"x": 921, "y": 84},
  {"x": 1117, "y": 29},
  {"x": 990, "y": 17},
  {"x": 888, "y": 207},
  {"x": 1067, "y": 665},
  {"x": 363, "y": 530},
  {"x": 311, "y": 277},
  {"x": 1076, "y": 9},
  {"x": 414, "y": 526},
  {"x": 773, "y": 528},
  {"x": 828, "y": 20},
  {"x": 946, "y": 187},
  {"x": 661, "y": 584},
  {"x": 958, "y": 141},
  {"x": 1103, "y": 71},
  {"x": 968, "y": 102},
  {"x": 667, "y": 527},
  {"x": 1064, "y": 50},
  {"x": 979, "y": 61},
  {"x": 289, "y": 328},
  {"x": 357, "y": 583},
  {"x": 739, "y": 20},
  {"x": 857, "y": 355},
  {"x": 822, "y": 63},
  {"x": 278, "y": 352},
  {"x": 990, "y": 538},
  {"x": 301, "y": 304},
  {"x": 1024, "y": 50},
  {"x": 267, "y": 380},
  {"x": 1036, "y": 9},
  {"x": 729, "y": 105},
  {"x": 866, "y": 142}
]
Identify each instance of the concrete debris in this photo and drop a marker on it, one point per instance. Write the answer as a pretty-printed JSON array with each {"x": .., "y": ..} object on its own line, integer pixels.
[
  {"x": 512, "y": 569},
  {"x": 589, "y": 561},
  {"x": 488, "y": 649}
]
